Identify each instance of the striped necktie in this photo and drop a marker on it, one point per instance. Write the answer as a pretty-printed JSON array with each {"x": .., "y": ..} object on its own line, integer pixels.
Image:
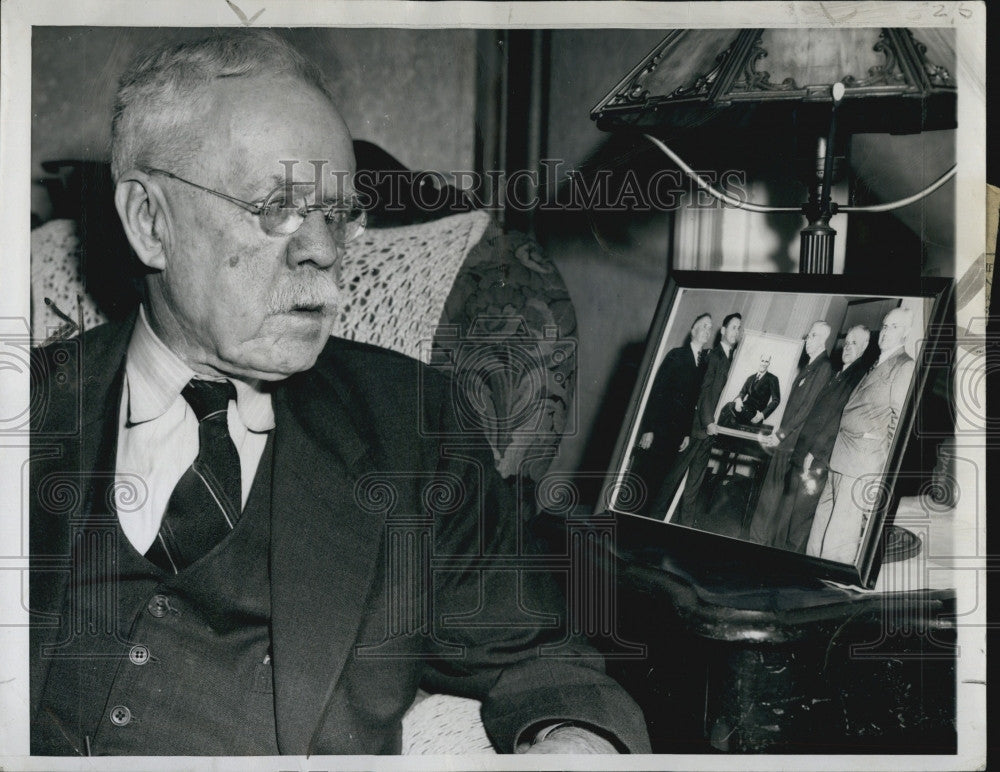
[{"x": 205, "y": 504}]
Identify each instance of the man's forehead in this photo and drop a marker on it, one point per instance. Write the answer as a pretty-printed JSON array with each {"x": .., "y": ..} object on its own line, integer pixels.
[
  {"x": 277, "y": 130},
  {"x": 306, "y": 176}
]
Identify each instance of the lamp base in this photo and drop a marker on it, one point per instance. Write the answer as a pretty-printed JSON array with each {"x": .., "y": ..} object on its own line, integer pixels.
[
  {"x": 816, "y": 250},
  {"x": 900, "y": 544}
]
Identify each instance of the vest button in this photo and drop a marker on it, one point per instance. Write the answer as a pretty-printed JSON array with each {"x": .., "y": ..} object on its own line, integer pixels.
[
  {"x": 139, "y": 655},
  {"x": 158, "y": 606},
  {"x": 120, "y": 715}
]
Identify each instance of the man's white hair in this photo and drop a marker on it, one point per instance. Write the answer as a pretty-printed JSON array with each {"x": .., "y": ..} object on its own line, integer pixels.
[
  {"x": 865, "y": 333},
  {"x": 824, "y": 325},
  {"x": 162, "y": 94},
  {"x": 907, "y": 314}
]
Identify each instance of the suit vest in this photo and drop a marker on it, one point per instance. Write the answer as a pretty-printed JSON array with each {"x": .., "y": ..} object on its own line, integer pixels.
[{"x": 171, "y": 664}]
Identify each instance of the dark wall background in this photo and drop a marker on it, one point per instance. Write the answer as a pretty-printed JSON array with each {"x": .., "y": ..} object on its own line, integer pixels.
[{"x": 410, "y": 91}]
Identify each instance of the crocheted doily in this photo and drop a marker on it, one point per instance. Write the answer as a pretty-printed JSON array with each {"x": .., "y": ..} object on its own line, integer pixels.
[
  {"x": 396, "y": 281},
  {"x": 56, "y": 275}
]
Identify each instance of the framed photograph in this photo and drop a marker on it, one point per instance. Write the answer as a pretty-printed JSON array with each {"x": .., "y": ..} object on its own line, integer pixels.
[{"x": 773, "y": 412}]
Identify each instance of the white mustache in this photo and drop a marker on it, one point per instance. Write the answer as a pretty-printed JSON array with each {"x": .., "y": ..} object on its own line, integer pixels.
[{"x": 316, "y": 294}]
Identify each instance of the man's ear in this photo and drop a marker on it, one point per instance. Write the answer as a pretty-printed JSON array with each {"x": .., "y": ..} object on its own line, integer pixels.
[{"x": 140, "y": 207}]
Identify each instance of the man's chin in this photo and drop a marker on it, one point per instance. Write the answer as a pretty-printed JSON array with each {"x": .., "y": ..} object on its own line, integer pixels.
[{"x": 279, "y": 360}]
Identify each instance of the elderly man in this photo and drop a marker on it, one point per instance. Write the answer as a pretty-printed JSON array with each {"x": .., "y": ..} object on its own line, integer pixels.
[
  {"x": 806, "y": 472},
  {"x": 237, "y": 603},
  {"x": 867, "y": 427},
  {"x": 666, "y": 420},
  {"x": 765, "y": 524}
]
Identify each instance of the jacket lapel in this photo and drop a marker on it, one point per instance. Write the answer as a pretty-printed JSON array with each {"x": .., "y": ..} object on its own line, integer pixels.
[{"x": 323, "y": 551}]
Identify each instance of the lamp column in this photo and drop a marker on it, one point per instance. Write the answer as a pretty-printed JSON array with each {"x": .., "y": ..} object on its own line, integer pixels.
[{"x": 817, "y": 238}]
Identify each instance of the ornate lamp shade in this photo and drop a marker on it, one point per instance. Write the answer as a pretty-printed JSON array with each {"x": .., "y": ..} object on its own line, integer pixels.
[
  {"x": 821, "y": 85},
  {"x": 896, "y": 80}
]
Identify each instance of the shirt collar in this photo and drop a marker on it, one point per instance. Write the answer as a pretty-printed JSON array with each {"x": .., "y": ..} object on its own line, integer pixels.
[
  {"x": 696, "y": 349},
  {"x": 888, "y": 355},
  {"x": 156, "y": 376}
]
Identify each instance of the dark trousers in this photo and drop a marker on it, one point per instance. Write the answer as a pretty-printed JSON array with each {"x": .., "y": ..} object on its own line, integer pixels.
[
  {"x": 801, "y": 510},
  {"x": 768, "y": 519},
  {"x": 698, "y": 454},
  {"x": 653, "y": 467},
  {"x": 784, "y": 513}
]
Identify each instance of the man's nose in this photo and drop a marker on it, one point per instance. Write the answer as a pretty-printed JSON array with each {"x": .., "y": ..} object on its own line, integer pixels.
[{"x": 314, "y": 243}]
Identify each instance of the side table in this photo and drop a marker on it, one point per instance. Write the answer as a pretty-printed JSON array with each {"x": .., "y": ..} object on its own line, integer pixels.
[{"x": 733, "y": 662}]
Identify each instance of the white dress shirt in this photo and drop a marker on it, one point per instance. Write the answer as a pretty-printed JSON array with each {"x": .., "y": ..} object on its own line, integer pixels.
[{"x": 158, "y": 433}]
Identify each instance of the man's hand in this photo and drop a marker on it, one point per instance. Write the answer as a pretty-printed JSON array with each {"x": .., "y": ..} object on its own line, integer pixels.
[
  {"x": 738, "y": 405},
  {"x": 757, "y": 418},
  {"x": 712, "y": 429},
  {"x": 684, "y": 443},
  {"x": 768, "y": 441},
  {"x": 569, "y": 739},
  {"x": 808, "y": 463},
  {"x": 646, "y": 440}
]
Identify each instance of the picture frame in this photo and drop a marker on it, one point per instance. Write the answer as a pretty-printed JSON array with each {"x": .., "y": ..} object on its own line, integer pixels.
[{"x": 742, "y": 491}]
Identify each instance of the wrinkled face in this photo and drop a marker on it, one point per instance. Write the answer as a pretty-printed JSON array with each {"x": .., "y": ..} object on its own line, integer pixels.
[
  {"x": 232, "y": 298},
  {"x": 894, "y": 330},
  {"x": 765, "y": 362},
  {"x": 731, "y": 332},
  {"x": 701, "y": 332},
  {"x": 854, "y": 346},
  {"x": 816, "y": 339}
]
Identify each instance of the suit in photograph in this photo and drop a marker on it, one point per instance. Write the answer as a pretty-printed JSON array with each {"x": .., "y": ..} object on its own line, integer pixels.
[
  {"x": 857, "y": 462},
  {"x": 767, "y": 524},
  {"x": 700, "y": 451},
  {"x": 667, "y": 416},
  {"x": 761, "y": 393},
  {"x": 798, "y": 505}
]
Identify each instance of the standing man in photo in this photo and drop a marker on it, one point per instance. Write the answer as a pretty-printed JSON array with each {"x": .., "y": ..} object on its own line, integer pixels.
[
  {"x": 704, "y": 429},
  {"x": 666, "y": 420},
  {"x": 867, "y": 427},
  {"x": 765, "y": 525}
]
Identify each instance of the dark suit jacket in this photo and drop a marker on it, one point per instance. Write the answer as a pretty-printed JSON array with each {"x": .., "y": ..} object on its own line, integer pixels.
[
  {"x": 807, "y": 386},
  {"x": 352, "y": 423},
  {"x": 763, "y": 396},
  {"x": 819, "y": 431},
  {"x": 716, "y": 372},
  {"x": 670, "y": 407}
]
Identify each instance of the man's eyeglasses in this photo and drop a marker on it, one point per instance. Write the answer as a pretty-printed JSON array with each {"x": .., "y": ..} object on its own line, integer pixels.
[{"x": 279, "y": 215}]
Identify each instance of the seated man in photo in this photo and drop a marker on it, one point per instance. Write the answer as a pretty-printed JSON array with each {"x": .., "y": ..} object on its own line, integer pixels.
[
  {"x": 758, "y": 398},
  {"x": 217, "y": 486}
]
